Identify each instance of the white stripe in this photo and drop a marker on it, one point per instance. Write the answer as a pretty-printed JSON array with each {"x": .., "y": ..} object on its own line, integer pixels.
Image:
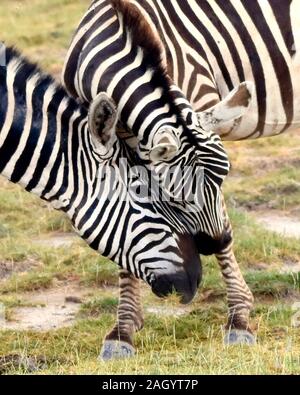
[
  {"x": 81, "y": 32},
  {"x": 124, "y": 71},
  {"x": 10, "y": 166},
  {"x": 42, "y": 137},
  {"x": 58, "y": 135},
  {"x": 93, "y": 53},
  {"x": 12, "y": 69}
]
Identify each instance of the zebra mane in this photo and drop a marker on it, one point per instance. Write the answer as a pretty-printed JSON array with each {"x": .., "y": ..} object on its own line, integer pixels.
[
  {"x": 28, "y": 69},
  {"x": 144, "y": 37},
  {"x": 141, "y": 33}
]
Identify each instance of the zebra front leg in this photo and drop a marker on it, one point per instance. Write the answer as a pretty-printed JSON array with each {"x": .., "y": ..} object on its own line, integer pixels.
[
  {"x": 240, "y": 298},
  {"x": 119, "y": 342}
]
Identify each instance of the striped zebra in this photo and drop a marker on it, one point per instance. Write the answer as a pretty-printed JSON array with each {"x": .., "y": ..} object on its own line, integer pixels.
[
  {"x": 50, "y": 145},
  {"x": 118, "y": 49},
  {"x": 213, "y": 45}
]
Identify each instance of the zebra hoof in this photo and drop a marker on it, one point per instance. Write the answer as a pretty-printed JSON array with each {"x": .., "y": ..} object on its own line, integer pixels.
[
  {"x": 239, "y": 337},
  {"x": 116, "y": 350}
]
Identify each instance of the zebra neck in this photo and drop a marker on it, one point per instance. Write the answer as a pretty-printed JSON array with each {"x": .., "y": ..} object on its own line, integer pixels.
[{"x": 41, "y": 131}]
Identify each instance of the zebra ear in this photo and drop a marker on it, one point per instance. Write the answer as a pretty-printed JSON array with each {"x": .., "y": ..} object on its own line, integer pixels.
[
  {"x": 102, "y": 120},
  {"x": 234, "y": 106},
  {"x": 165, "y": 146}
]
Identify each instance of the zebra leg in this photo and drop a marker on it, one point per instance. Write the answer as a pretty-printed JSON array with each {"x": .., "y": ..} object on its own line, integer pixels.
[
  {"x": 119, "y": 342},
  {"x": 240, "y": 298}
]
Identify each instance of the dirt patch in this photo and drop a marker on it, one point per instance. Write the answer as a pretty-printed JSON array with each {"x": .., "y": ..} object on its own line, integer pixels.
[
  {"x": 57, "y": 240},
  {"x": 53, "y": 309},
  {"x": 8, "y": 268},
  {"x": 278, "y": 222},
  {"x": 290, "y": 267},
  {"x": 162, "y": 311}
]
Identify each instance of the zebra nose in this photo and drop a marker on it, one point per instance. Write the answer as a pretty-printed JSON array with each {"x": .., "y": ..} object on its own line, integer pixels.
[
  {"x": 179, "y": 283},
  {"x": 185, "y": 278}
]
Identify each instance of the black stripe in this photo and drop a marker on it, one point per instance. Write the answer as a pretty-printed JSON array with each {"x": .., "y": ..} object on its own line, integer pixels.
[
  {"x": 185, "y": 34},
  {"x": 73, "y": 61},
  {"x": 282, "y": 12},
  {"x": 13, "y": 138},
  {"x": 189, "y": 12},
  {"x": 178, "y": 50},
  {"x": 280, "y": 66},
  {"x": 227, "y": 38},
  {"x": 255, "y": 61},
  {"x": 3, "y": 96}
]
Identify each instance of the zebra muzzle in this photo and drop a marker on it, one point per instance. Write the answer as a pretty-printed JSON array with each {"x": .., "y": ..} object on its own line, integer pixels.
[{"x": 178, "y": 283}]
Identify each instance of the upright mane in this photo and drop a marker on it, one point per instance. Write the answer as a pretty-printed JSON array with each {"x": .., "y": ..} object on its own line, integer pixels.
[
  {"x": 141, "y": 32},
  {"x": 144, "y": 37}
]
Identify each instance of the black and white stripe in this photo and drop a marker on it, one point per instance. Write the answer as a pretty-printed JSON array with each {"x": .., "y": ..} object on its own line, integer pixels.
[
  {"x": 47, "y": 148},
  {"x": 213, "y": 45},
  {"x": 210, "y": 46},
  {"x": 107, "y": 54}
]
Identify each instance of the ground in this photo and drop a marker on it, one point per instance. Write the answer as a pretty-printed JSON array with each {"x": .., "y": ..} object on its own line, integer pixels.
[{"x": 58, "y": 298}]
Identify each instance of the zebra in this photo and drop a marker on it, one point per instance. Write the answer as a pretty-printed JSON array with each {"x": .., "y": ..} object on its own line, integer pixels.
[
  {"x": 134, "y": 75},
  {"x": 211, "y": 46},
  {"x": 116, "y": 49},
  {"x": 51, "y": 146}
]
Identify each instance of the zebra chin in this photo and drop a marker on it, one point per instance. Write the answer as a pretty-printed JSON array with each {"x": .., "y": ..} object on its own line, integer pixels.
[{"x": 185, "y": 280}]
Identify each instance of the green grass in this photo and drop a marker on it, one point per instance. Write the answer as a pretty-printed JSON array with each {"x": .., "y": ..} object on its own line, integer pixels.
[
  {"x": 264, "y": 174},
  {"x": 98, "y": 306},
  {"x": 41, "y": 28},
  {"x": 191, "y": 345},
  {"x": 272, "y": 165}
]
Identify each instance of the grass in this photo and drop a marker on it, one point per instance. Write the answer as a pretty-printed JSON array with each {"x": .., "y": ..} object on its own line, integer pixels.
[
  {"x": 41, "y": 28},
  {"x": 264, "y": 176},
  {"x": 273, "y": 166},
  {"x": 190, "y": 345}
]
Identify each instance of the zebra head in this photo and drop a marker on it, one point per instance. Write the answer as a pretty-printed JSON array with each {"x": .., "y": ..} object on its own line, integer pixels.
[
  {"x": 46, "y": 147},
  {"x": 170, "y": 139},
  {"x": 149, "y": 238},
  {"x": 197, "y": 144},
  {"x": 187, "y": 148},
  {"x": 119, "y": 52}
]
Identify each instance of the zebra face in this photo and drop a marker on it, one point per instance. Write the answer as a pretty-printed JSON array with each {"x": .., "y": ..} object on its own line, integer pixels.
[
  {"x": 198, "y": 171},
  {"x": 193, "y": 143},
  {"x": 184, "y": 143}
]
